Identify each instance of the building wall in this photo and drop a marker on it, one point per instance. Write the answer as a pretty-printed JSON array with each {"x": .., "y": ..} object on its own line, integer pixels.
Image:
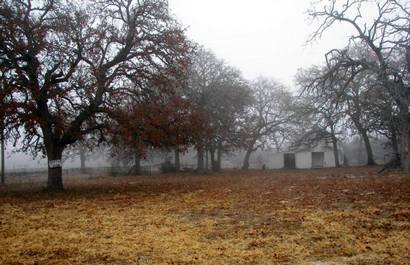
[
  {"x": 276, "y": 161},
  {"x": 303, "y": 159},
  {"x": 329, "y": 159}
]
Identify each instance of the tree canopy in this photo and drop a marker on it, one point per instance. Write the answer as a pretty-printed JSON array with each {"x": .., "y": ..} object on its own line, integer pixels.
[{"x": 67, "y": 66}]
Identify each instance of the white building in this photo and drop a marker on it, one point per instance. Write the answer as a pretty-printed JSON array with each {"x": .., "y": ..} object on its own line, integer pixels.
[{"x": 320, "y": 156}]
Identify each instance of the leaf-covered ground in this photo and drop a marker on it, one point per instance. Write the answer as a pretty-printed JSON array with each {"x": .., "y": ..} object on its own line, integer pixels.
[{"x": 344, "y": 216}]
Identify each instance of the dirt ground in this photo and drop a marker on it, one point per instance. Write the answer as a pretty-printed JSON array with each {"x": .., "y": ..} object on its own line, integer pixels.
[{"x": 328, "y": 216}]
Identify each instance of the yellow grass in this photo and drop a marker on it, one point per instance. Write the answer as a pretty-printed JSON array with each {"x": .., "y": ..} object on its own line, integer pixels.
[{"x": 346, "y": 216}]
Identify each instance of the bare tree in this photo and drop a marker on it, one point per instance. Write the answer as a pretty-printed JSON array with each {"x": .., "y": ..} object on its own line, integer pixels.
[
  {"x": 385, "y": 115},
  {"x": 82, "y": 150},
  {"x": 386, "y": 36},
  {"x": 321, "y": 124},
  {"x": 329, "y": 98},
  {"x": 319, "y": 110},
  {"x": 359, "y": 107},
  {"x": 266, "y": 117}
]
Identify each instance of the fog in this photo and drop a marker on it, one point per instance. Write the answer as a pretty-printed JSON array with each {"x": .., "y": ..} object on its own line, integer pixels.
[{"x": 263, "y": 37}]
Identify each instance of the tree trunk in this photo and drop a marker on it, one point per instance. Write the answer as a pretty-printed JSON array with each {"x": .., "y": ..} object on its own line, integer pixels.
[
  {"x": 55, "y": 178},
  {"x": 176, "y": 158},
  {"x": 219, "y": 157},
  {"x": 245, "y": 165},
  {"x": 405, "y": 155},
  {"x": 335, "y": 151},
  {"x": 137, "y": 164},
  {"x": 405, "y": 145},
  {"x": 207, "y": 158},
  {"x": 200, "y": 158},
  {"x": 369, "y": 151},
  {"x": 82, "y": 159},
  {"x": 394, "y": 143},
  {"x": 3, "y": 179},
  {"x": 213, "y": 160},
  {"x": 405, "y": 120}
]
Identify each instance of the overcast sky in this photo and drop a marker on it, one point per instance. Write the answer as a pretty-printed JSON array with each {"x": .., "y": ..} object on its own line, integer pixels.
[{"x": 260, "y": 37}]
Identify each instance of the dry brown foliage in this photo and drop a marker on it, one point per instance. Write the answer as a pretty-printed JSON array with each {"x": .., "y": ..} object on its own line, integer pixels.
[{"x": 336, "y": 216}]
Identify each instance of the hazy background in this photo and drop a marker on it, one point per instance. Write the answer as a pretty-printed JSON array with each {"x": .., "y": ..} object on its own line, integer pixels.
[{"x": 260, "y": 37}]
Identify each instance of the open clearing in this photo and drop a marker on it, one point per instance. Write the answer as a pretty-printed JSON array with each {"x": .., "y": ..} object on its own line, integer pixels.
[{"x": 335, "y": 216}]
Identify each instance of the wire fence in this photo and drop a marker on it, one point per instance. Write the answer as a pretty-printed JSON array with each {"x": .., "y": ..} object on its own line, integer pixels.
[{"x": 20, "y": 176}]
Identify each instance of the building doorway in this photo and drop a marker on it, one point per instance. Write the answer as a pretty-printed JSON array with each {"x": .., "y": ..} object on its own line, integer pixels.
[
  {"x": 318, "y": 159},
  {"x": 289, "y": 161}
]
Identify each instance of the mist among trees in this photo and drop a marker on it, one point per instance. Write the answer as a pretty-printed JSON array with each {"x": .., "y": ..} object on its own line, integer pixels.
[{"x": 123, "y": 74}]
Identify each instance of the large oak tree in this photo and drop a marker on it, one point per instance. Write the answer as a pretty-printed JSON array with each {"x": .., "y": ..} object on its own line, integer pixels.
[
  {"x": 67, "y": 66},
  {"x": 221, "y": 93}
]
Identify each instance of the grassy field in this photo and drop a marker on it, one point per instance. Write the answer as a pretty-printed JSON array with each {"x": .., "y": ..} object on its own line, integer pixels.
[{"x": 337, "y": 216}]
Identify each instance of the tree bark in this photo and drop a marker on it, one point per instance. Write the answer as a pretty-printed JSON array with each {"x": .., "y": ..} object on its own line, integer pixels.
[
  {"x": 3, "y": 179},
  {"x": 200, "y": 158},
  {"x": 82, "y": 159},
  {"x": 250, "y": 149},
  {"x": 207, "y": 158},
  {"x": 405, "y": 144},
  {"x": 405, "y": 156},
  {"x": 214, "y": 165},
  {"x": 334, "y": 144},
  {"x": 219, "y": 157},
  {"x": 335, "y": 151},
  {"x": 369, "y": 151},
  {"x": 245, "y": 165},
  {"x": 405, "y": 120},
  {"x": 394, "y": 143},
  {"x": 55, "y": 178},
  {"x": 137, "y": 164},
  {"x": 176, "y": 159}
]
